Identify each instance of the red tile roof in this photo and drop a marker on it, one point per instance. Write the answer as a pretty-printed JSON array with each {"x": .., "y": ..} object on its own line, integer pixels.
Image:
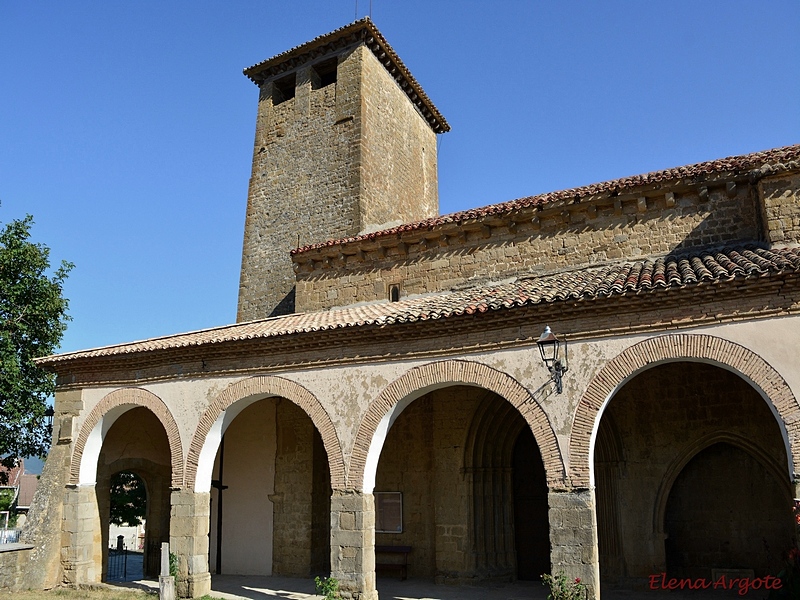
[
  {"x": 14, "y": 473},
  {"x": 27, "y": 487},
  {"x": 787, "y": 157},
  {"x": 639, "y": 277}
]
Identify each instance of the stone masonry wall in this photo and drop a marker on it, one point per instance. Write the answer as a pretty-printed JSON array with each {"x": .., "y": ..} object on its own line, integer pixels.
[
  {"x": 406, "y": 466},
  {"x": 327, "y": 164},
  {"x": 424, "y": 458},
  {"x": 13, "y": 559},
  {"x": 595, "y": 231},
  {"x": 304, "y": 183},
  {"x": 398, "y": 154},
  {"x": 291, "y": 552},
  {"x": 780, "y": 196}
]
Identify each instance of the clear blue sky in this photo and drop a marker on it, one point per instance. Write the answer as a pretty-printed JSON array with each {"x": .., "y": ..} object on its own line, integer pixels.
[{"x": 126, "y": 128}]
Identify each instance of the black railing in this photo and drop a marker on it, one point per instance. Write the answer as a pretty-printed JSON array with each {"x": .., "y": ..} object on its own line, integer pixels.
[
  {"x": 117, "y": 563},
  {"x": 153, "y": 566}
]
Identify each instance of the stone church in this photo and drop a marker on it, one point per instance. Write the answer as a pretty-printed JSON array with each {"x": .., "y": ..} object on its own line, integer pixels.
[{"x": 383, "y": 386}]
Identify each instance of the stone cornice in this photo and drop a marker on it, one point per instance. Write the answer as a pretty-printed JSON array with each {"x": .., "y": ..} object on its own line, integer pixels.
[
  {"x": 507, "y": 227},
  {"x": 644, "y": 194}
]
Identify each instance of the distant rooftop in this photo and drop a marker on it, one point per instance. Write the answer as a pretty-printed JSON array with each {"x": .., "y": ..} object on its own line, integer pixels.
[
  {"x": 27, "y": 487},
  {"x": 363, "y": 30}
]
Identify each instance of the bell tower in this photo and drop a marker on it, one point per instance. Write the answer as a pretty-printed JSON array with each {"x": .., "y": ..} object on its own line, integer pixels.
[{"x": 345, "y": 144}]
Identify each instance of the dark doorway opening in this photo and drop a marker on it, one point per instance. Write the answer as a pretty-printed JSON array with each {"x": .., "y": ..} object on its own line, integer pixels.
[{"x": 531, "y": 525}]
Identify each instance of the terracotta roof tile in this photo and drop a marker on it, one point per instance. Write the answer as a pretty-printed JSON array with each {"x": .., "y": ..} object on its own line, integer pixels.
[
  {"x": 14, "y": 473},
  {"x": 788, "y": 156},
  {"x": 27, "y": 487},
  {"x": 633, "y": 277},
  {"x": 369, "y": 33}
]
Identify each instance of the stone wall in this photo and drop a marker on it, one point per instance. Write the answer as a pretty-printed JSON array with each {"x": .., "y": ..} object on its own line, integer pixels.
[
  {"x": 530, "y": 242},
  {"x": 451, "y": 458},
  {"x": 406, "y": 466},
  {"x": 329, "y": 163},
  {"x": 781, "y": 205},
  {"x": 294, "y": 476},
  {"x": 305, "y": 150},
  {"x": 13, "y": 560},
  {"x": 730, "y": 531},
  {"x": 398, "y": 154}
]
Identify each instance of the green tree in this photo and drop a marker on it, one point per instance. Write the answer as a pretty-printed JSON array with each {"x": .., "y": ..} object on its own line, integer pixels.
[
  {"x": 33, "y": 317},
  {"x": 128, "y": 499}
]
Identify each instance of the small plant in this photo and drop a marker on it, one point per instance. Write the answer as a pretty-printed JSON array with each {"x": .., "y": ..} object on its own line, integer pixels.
[
  {"x": 562, "y": 588},
  {"x": 173, "y": 565},
  {"x": 327, "y": 587}
]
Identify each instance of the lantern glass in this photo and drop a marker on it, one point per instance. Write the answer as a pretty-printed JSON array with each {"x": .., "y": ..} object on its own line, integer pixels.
[{"x": 549, "y": 346}]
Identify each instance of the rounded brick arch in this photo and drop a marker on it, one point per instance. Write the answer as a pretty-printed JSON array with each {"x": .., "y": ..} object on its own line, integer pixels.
[
  {"x": 131, "y": 397},
  {"x": 268, "y": 386},
  {"x": 670, "y": 348},
  {"x": 458, "y": 372}
]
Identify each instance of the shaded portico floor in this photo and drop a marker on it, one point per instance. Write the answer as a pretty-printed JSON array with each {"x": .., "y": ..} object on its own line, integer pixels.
[
  {"x": 233, "y": 587},
  {"x": 246, "y": 587},
  {"x": 251, "y": 587}
]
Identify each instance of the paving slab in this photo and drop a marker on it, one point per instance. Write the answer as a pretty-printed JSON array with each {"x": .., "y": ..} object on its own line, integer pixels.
[{"x": 247, "y": 587}]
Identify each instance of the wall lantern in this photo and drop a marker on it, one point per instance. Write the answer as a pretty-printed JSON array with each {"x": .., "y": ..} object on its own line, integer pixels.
[
  {"x": 550, "y": 347},
  {"x": 48, "y": 416}
]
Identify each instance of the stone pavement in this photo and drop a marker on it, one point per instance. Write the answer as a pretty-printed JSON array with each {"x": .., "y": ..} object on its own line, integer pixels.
[{"x": 242, "y": 587}]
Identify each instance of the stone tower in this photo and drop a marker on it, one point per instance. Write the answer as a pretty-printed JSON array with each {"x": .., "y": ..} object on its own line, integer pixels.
[{"x": 345, "y": 144}]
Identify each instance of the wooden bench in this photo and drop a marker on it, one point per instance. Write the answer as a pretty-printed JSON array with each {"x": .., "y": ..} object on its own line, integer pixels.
[{"x": 393, "y": 566}]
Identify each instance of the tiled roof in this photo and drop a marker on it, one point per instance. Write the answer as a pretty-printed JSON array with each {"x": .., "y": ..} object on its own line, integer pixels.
[
  {"x": 14, "y": 473},
  {"x": 366, "y": 30},
  {"x": 788, "y": 157},
  {"x": 629, "y": 278},
  {"x": 27, "y": 487}
]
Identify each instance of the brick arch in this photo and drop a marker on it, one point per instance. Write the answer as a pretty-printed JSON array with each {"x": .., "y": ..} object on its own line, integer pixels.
[
  {"x": 131, "y": 397},
  {"x": 669, "y": 348},
  {"x": 268, "y": 386},
  {"x": 424, "y": 378}
]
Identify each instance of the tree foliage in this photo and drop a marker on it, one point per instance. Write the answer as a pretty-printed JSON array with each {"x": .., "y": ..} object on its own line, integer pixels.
[
  {"x": 128, "y": 499},
  {"x": 33, "y": 318}
]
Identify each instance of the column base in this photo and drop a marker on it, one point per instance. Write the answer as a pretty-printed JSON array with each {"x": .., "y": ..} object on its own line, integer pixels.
[{"x": 194, "y": 586}]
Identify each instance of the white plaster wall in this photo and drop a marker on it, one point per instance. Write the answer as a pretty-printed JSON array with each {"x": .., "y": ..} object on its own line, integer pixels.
[
  {"x": 249, "y": 473},
  {"x": 346, "y": 391}
]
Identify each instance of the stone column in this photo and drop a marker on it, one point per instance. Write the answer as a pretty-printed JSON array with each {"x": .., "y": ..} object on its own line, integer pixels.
[
  {"x": 43, "y": 529},
  {"x": 573, "y": 537},
  {"x": 188, "y": 539},
  {"x": 353, "y": 544},
  {"x": 81, "y": 541}
]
